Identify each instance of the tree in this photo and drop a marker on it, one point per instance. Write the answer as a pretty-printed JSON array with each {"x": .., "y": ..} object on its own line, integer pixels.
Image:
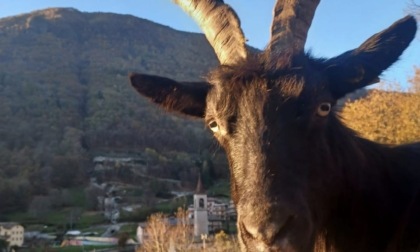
[
  {"x": 92, "y": 193},
  {"x": 415, "y": 80},
  {"x": 387, "y": 116},
  {"x": 161, "y": 232},
  {"x": 14, "y": 194},
  {"x": 163, "y": 235},
  {"x": 4, "y": 245},
  {"x": 122, "y": 239},
  {"x": 414, "y": 8},
  {"x": 67, "y": 171},
  {"x": 40, "y": 207},
  {"x": 59, "y": 197}
]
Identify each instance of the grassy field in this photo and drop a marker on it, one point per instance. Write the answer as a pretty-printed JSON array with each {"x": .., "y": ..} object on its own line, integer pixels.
[
  {"x": 67, "y": 218},
  {"x": 74, "y": 215},
  {"x": 131, "y": 229}
]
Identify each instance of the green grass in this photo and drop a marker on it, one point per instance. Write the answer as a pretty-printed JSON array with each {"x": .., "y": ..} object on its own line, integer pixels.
[
  {"x": 170, "y": 207},
  {"x": 87, "y": 220},
  {"x": 78, "y": 198},
  {"x": 22, "y": 217},
  {"x": 99, "y": 230},
  {"x": 60, "y": 217},
  {"x": 131, "y": 229}
]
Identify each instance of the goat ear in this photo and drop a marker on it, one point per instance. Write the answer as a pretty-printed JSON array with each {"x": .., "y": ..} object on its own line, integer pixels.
[
  {"x": 362, "y": 66},
  {"x": 188, "y": 98}
]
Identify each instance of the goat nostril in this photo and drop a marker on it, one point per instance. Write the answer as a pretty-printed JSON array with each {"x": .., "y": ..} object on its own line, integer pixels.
[
  {"x": 244, "y": 231},
  {"x": 267, "y": 232}
]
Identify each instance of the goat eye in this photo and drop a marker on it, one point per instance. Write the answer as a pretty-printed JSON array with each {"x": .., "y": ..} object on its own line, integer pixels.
[
  {"x": 213, "y": 126},
  {"x": 324, "y": 109}
]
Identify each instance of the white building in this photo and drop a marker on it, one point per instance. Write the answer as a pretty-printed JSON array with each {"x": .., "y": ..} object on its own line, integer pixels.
[
  {"x": 218, "y": 214},
  {"x": 201, "y": 222},
  {"x": 140, "y": 235},
  {"x": 12, "y": 232}
]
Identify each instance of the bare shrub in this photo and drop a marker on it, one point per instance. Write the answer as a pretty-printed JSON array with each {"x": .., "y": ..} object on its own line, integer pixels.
[
  {"x": 163, "y": 236},
  {"x": 225, "y": 243},
  {"x": 160, "y": 232}
]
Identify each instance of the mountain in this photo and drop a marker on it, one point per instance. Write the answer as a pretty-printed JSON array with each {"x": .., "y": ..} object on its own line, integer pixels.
[{"x": 66, "y": 98}]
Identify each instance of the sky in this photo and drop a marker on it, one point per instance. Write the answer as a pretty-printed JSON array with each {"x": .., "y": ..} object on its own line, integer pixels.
[{"x": 338, "y": 26}]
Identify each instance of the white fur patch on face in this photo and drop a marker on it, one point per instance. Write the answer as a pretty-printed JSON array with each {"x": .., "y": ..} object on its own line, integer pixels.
[{"x": 223, "y": 131}]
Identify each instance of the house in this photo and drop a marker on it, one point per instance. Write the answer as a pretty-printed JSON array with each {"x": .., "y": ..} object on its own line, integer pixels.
[{"x": 12, "y": 232}]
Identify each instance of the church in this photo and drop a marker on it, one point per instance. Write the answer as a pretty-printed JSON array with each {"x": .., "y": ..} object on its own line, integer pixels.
[{"x": 209, "y": 214}]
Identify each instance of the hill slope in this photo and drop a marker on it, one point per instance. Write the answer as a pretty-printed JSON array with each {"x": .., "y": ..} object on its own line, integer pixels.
[{"x": 65, "y": 94}]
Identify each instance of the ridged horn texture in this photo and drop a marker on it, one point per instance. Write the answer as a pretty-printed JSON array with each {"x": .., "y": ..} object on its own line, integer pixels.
[
  {"x": 291, "y": 22},
  {"x": 221, "y": 26}
]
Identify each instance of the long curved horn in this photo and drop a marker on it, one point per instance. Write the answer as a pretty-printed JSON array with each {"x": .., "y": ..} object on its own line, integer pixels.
[
  {"x": 221, "y": 26},
  {"x": 291, "y": 22}
]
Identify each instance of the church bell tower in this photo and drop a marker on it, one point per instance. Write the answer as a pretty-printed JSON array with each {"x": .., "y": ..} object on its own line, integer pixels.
[{"x": 201, "y": 222}]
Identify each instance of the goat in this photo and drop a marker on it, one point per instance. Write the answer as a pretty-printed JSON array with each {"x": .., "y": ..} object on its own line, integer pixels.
[{"x": 299, "y": 177}]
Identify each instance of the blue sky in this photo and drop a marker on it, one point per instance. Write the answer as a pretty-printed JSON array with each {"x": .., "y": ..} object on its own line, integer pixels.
[{"x": 338, "y": 26}]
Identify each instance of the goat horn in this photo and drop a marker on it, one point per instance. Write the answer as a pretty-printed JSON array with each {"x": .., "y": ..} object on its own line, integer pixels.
[
  {"x": 291, "y": 22},
  {"x": 221, "y": 26}
]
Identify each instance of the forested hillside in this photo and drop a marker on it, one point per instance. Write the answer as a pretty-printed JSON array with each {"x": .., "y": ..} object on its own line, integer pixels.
[{"x": 65, "y": 97}]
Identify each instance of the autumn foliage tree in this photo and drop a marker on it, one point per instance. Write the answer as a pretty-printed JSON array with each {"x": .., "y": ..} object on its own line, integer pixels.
[{"x": 387, "y": 115}]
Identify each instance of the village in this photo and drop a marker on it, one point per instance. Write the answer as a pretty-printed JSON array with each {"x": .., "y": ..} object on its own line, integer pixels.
[{"x": 206, "y": 216}]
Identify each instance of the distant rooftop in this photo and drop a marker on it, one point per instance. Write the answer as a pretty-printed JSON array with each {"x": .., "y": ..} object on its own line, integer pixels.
[{"x": 9, "y": 225}]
